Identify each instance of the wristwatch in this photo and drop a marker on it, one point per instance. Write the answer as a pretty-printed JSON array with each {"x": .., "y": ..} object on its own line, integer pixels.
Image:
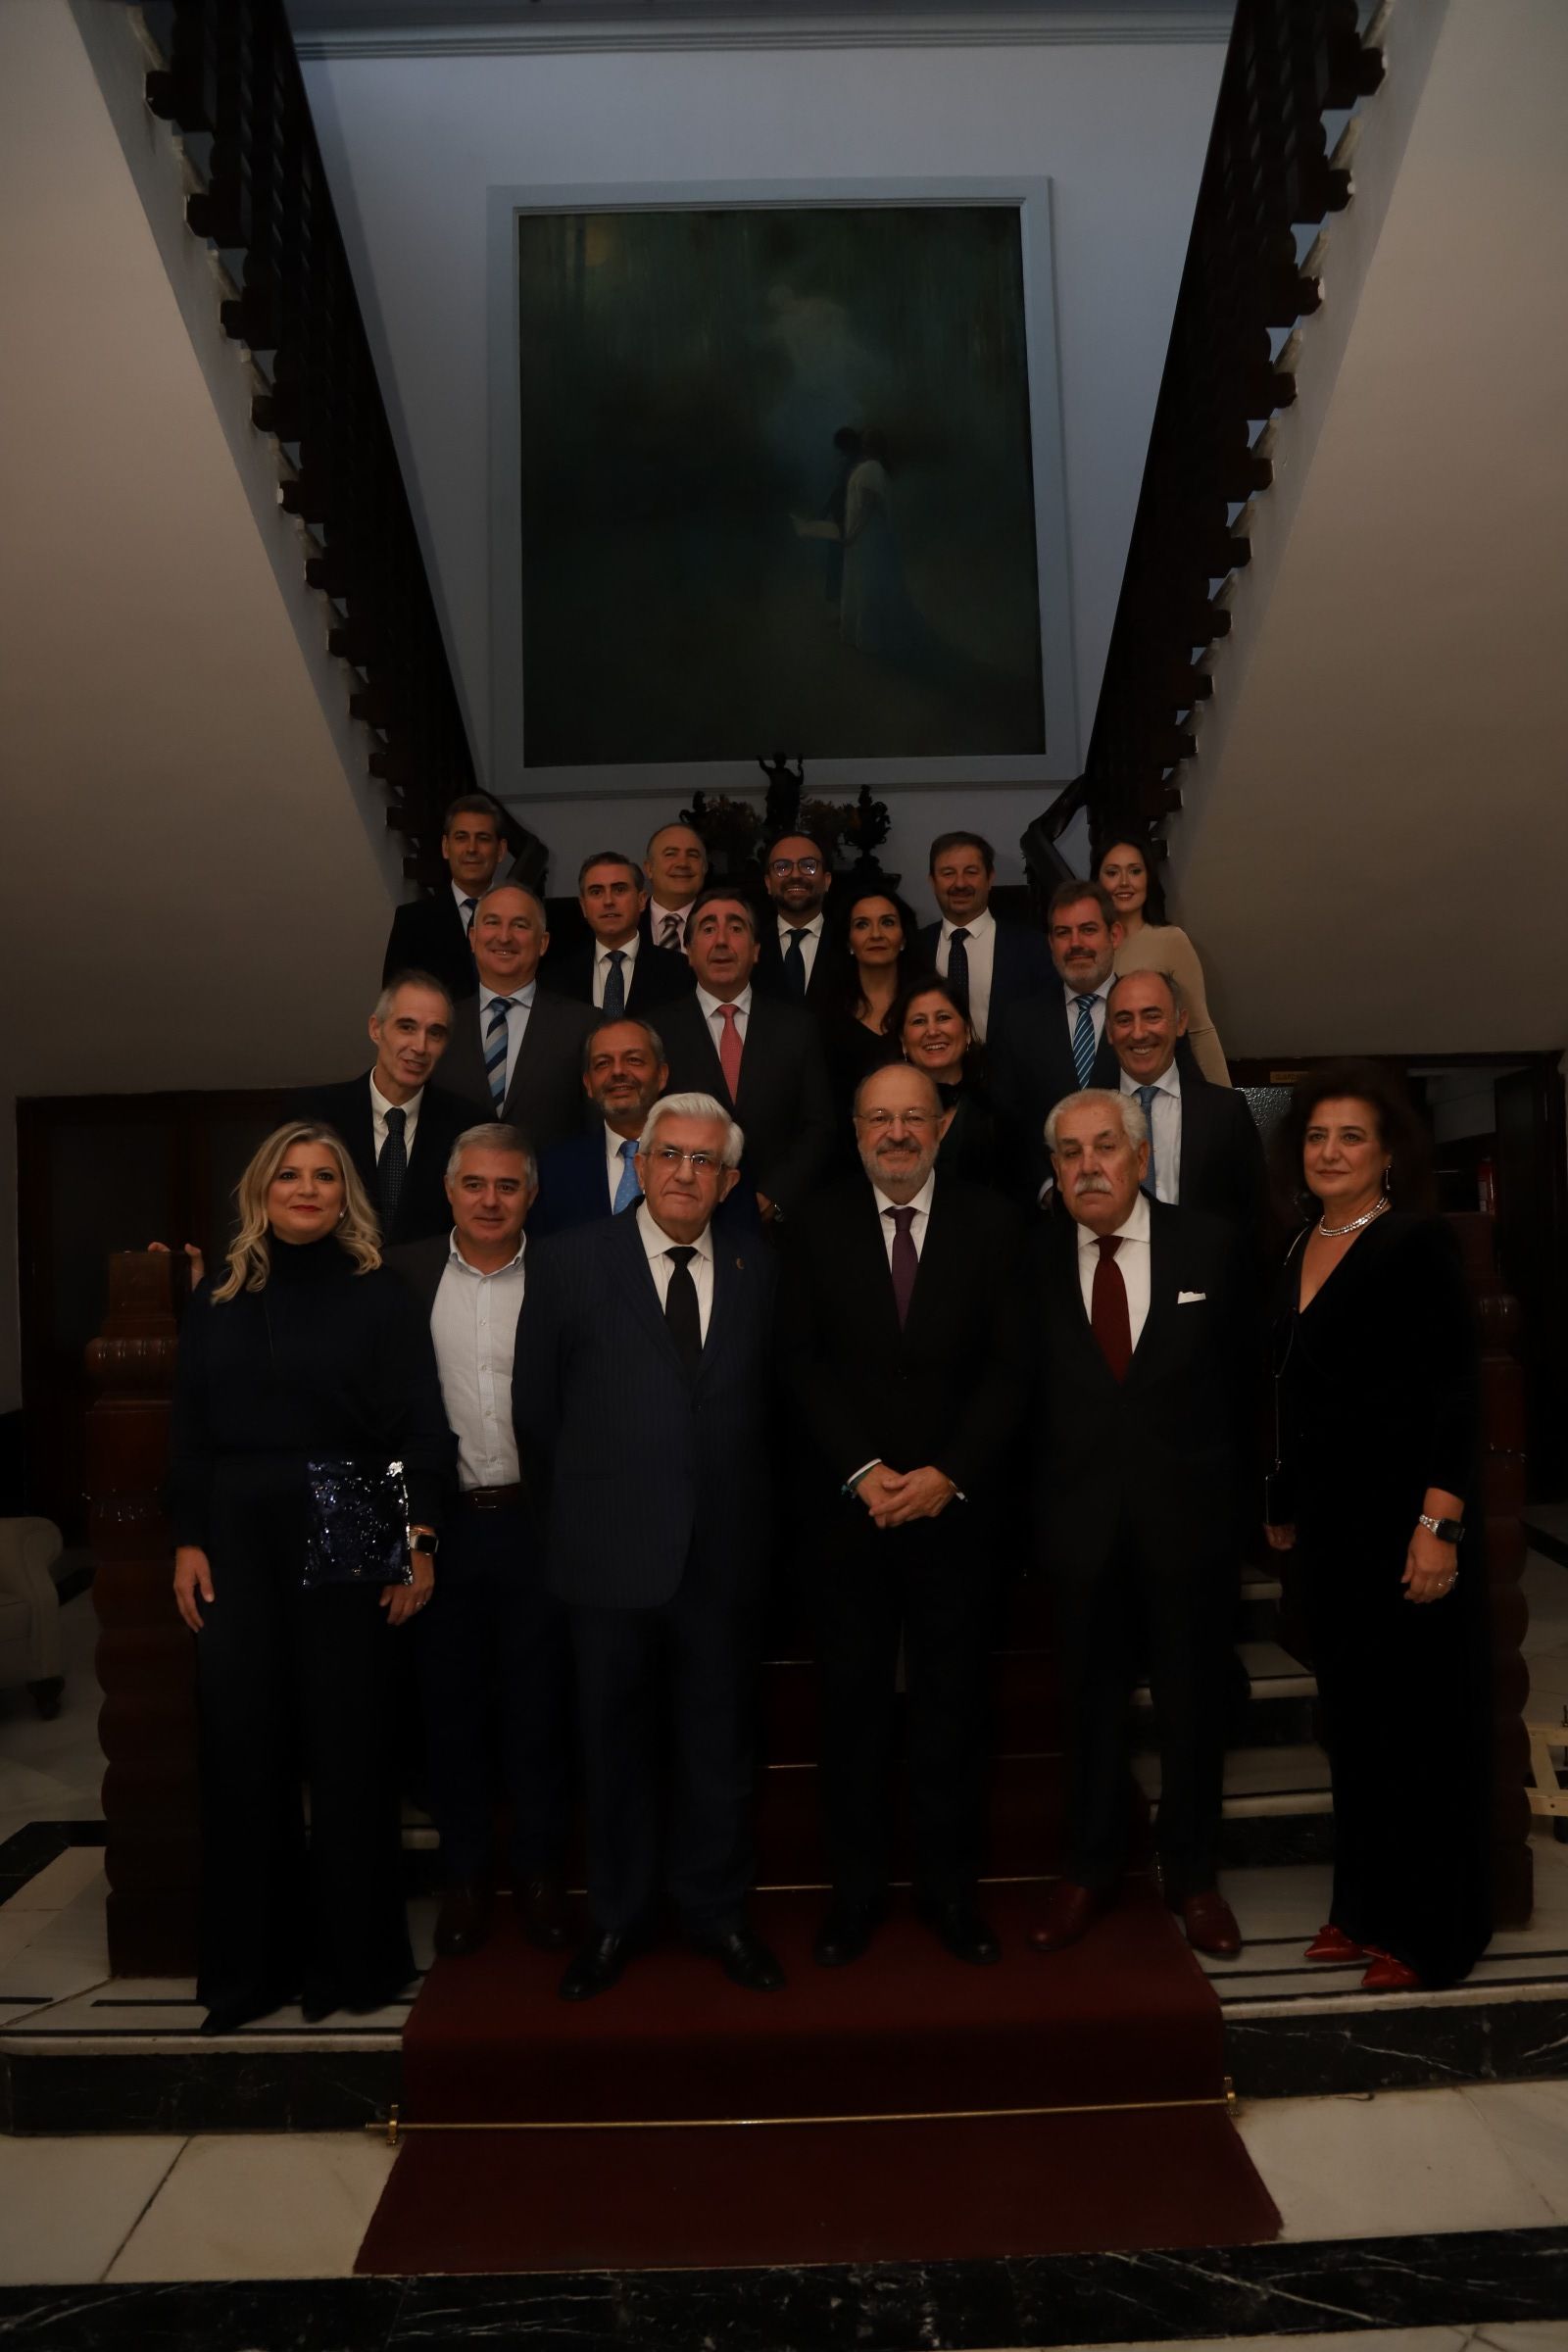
[
  {"x": 1447, "y": 1531},
  {"x": 422, "y": 1538}
]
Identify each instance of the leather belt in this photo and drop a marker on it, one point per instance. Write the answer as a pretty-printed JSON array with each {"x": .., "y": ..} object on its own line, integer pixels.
[{"x": 490, "y": 1499}]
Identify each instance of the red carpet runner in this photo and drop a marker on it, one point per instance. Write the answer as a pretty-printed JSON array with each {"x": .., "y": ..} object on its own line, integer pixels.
[{"x": 888, "y": 2111}]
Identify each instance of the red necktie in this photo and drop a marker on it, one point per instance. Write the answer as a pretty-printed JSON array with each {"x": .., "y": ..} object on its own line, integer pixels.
[
  {"x": 906, "y": 1260},
  {"x": 729, "y": 1052},
  {"x": 1109, "y": 1319}
]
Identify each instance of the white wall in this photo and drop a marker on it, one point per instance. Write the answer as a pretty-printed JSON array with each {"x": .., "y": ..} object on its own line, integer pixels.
[{"x": 413, "y": 143}]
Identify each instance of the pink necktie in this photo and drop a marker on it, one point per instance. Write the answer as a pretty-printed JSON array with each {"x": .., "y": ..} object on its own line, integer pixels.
[{"x": 729, "y": 1052}]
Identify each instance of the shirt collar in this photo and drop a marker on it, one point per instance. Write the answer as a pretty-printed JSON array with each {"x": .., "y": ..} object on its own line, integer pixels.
[
  {"x": 921, "y": 1204},
  {"x": 813, "y": 928},
  {"x": 455, "y": 1257},
  {"x": 656, "y": 1241},
  {"x": 1136, "y": 1228},
  {"x": 379, "y": 1106},
  {"x": 460, "y": 895},
  {"x": 980, "y": 928},
  {"x": 1168, "y": 1082},
  {"x": 522, "y": 996},
  {"x": 710, "y": 1005},
  {"x": 1072, "y": 994},
  {"x": 629, "y": 949}
]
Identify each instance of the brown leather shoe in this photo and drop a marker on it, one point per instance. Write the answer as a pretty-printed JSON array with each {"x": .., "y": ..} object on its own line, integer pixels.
[
  {"x": 1069, "y": 1913},
  {"x": 1211, "y": 1923},
  {"x": 542, "y": 1907},
  {"x": 464, "y": 1920}
]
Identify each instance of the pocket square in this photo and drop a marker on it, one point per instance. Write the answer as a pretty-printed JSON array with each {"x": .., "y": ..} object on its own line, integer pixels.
[{"x": 1190, "y": 1298}]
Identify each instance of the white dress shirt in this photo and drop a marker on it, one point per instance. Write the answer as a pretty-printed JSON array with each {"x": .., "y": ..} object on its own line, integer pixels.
[
  {"x": 656, "y": 923},
  {"x": 711, "y": 1015},
  {"x": 657, "y": 1244},
  {"x": 810, "y": 939},
  {"x": 460, "y": 898},
  {"x": 981, "y": 949},
  {"x": 921, "y": 1206},
  {"x": 1132, "y": 1260},
  {"x": 521, "y": 1004},
  {"x": 629, "y": 949},
  {"x": 1164, "y": 1131},
  {"x": 613, "y": 1163},
  {"x": 1097, "y": 1010},
  {"x": 379, "y": 1107},
  {"x": 473, "y": 1325}
]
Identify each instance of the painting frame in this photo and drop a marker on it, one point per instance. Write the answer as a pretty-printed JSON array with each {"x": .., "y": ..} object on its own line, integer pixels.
[{"x": 520, "y": 782}]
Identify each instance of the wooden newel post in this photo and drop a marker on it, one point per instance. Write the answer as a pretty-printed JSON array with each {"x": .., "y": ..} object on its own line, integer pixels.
[
  {"x": 1503, "y": 1438},
  {"x": 146, "y": 1665}
]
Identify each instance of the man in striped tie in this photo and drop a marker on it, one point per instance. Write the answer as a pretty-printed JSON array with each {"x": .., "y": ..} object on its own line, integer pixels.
[
  {"x": 517, "y": 1050},
  {"x": 1045, "y": 1046}
]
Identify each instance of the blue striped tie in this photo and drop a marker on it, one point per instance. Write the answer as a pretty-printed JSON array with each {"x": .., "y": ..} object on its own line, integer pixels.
[
  {"x": 495, "y": 1050},
  {"x": 1083, "y": 1040},
  {"x": 628, "y": 1189}
]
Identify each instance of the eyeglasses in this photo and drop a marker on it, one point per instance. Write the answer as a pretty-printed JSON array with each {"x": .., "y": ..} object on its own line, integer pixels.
[
  {"x": 701, "y": 1163},
  {"x": 810, "y": 867},
  {"x": 914, "y": 1120}
]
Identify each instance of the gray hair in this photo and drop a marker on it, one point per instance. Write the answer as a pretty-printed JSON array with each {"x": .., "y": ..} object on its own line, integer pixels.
[
  {"x": 495, "y": 1135},
  {"x": 411, "y": 979},
  {"x": 623, "y": 1020},
  {"x": 694, "y": 1107},
  {"x": 522, "y": 889},
  {"x": 1173, "y": 987},
  {"x": 1099, "y": 1097}
]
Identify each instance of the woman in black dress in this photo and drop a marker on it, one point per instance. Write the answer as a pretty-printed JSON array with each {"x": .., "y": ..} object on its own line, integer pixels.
[
  {"x": 879, "y": 934},
  {"x": 1376, "y": 1496},
  {"x": 934, "y": 1034},
  {"x": 306, "y": 1350}
]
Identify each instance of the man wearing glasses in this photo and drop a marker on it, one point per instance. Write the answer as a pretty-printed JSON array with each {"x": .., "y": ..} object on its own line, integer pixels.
[
  {"x": 905, "y": 1352},
  {"x": 639, "y": 1393},
  {"x": 795, "y": 953}
]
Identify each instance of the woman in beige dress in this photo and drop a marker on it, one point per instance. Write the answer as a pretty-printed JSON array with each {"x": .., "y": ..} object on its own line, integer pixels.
[{"x": 1151, "y": 943}]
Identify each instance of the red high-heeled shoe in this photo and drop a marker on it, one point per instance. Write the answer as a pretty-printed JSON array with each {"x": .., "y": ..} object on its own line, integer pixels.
[
  {"x": 1388, "y": 1975},
  {"x": 1332, "y": 1943}
]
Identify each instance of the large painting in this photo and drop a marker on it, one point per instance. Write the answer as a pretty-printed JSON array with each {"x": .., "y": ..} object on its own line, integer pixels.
[{"x": 775, "y": 485}]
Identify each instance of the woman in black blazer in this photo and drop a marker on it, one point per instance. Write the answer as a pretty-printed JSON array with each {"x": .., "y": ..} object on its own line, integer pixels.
[
  {"x": 1375, "y": 1498},
  {"x": 877, "y": 933},
  {"x": 308, "y": 1349},
  {"x": 934, "y": 1035}
]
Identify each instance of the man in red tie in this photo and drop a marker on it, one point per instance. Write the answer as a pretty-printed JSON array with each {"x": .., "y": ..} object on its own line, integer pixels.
[{"x": 1145, "y": 1359}]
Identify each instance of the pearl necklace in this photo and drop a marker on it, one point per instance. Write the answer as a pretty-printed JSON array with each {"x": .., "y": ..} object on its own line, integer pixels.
[{"x": 1336, "y": 1233}]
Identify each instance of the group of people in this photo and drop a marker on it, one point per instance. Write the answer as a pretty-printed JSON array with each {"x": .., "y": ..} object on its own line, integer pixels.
[{"x": 795, "y": 1245}]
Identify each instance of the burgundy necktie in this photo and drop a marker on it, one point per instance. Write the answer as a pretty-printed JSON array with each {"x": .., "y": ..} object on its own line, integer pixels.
[
  {"x": 905, "y": 1259},
  {"x": 1108, "y": 1309},
  {"x": 729, "y": 1052}
]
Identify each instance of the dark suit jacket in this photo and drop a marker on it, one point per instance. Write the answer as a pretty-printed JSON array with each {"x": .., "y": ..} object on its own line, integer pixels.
[
  {"x": 785, "y": 1105},
  {"x": 829, "y": 965},
  {"x": 657, "y": 978},
  {"x": 1156, "y": 1457},
  {"x": 427, "y": 935},
  {"x": 949, "y": 1388},
  {"x": 421, "y": 1265},
  {"x": 575, "y": 1189},
  {"x": 1222, "y": 1158},
  {"x": 1029, "y": 1054},
  {"x": 1020, "y": 964},
  {"x": 648, "y": 1470},
  {"x": 545, "y": 1097},
  {"x": 423, "y": 1206}
]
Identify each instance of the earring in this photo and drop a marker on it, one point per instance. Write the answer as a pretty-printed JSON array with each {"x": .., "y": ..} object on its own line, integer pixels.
[{"x": 1388, "y": 1182}]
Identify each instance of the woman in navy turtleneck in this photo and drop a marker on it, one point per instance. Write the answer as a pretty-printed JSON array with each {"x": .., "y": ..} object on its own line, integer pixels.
[{"x": 309, "y": 1350}]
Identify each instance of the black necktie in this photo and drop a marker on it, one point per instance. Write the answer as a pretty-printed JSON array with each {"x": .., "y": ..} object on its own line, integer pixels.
[
  {"x": 795, "y": 962},
  {"x": 680, "y": 1308},
  {"x": 391, "y": 1168},
  {"x": 615, "y": 1004},
  {"x": 958, "y": 968}
]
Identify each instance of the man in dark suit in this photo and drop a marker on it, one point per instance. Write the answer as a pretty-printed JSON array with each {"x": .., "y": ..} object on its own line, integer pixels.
[
  {"x": 990, "y": 964},
  {"x": 614, "y": 969},
  {"x": 1143, "y": 1360},
  {"x": 399, "y": 1126},
  {"x": 676, "y": 867},
  {"x": 905, "y": 1349},
  {"x": 761, "y": 1056},
  {"x": 491, "y": 1652},
  {"x": 594, "y": 1175},
  {"x": 517, "y": 1050},
  {"x": 1205, "y": 1151},
  {"x": 640, "y": 1391},
  {"x": 431, "y": 935},
  {"x": 1046, "y": 1045},
  {"x": 796, "y": 956}
]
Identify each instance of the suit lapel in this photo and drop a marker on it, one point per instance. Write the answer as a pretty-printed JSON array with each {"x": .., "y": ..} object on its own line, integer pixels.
[
  {"x": 637, "y": 1283},
  {"x": 870, "y": 1269},
  {"x": 1162, "y": 1291},
  {"x": 1067, "y": 1304},
  {"x": 938, "y": 1249},
  {"x": 535, "y": 1041},
  {"x": 703, "y": 1029}
]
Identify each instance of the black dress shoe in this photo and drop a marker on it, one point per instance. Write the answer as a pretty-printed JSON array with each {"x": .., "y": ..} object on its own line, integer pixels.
[
  {"x": 463, "y": 1922},
  {"x": 598, "y": 1965},
  {"x": 542, "y": 1908},
  {"x": 243, "y": 2009},
  {"x": 959, "y": 1928},
  {"x": 847, "y": 1930},
  {"x": 745, "y": 1959}
]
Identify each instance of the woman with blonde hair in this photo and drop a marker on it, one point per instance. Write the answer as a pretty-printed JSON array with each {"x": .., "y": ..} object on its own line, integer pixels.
[{"x": 309, "y": 1449}]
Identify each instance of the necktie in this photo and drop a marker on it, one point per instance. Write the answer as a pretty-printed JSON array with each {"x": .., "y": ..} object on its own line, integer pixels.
[
  {"x": 391, "y": 1168},
  {"x": 680, "y": 1308},
  {"x": 495, "y": 1050},
  {"x": 1146, "y": 1098},
  {"x": 627, "y": 1190},
  {"x": 729, "y": 1052},
  {"x": 905, "y": 1259},
  {"x": 1083, "y": 1040},
  {"x": 795, "y": 962},
  {"x": 669, "y": 933},
  {"x": 958, "y": 968},
  {"x": 1109, "y": 1319},
  {"x": 468, "y": 905},
  {"x": 615, "y": 1004}
]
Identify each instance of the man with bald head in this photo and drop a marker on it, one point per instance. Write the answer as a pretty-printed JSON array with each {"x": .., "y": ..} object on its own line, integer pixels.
[
  {"x": 1203, "y": 1150},
  {"x": 905, "y": 1354},
  {"x": 516, "y": 1052}
]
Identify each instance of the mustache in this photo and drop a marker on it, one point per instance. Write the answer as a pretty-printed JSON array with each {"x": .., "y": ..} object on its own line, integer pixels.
[{"x": 1090, "y": 1184}]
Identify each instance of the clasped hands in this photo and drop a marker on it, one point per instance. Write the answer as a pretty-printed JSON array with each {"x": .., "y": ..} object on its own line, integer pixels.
[{"x": 894, "y": 1498}]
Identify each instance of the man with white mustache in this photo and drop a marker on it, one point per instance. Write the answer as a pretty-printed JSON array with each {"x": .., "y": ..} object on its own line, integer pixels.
[{"x": 1143, "y": 1363}]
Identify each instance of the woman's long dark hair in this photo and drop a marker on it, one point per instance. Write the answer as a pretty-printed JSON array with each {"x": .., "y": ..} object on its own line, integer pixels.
[
  {"x": 909, "y": 961},
  {"x": 932, "y": 984},
  {"x": 1400, "y": 1128},
  {"x": 1129, "y": 837}
]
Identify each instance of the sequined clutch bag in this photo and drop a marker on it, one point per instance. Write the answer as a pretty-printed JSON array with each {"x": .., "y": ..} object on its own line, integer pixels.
[{"x": 356, "y": 1524}]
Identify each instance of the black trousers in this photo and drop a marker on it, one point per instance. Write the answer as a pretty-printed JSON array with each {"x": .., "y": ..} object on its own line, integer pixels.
[
  {"x": 1180, "y": 1618},
  {"x": 667, "y": 1701},
  {"x": 495, "y": 1678},
  {"x": 294, "y": 1685},
  {"x": 932, "y": 1582}
]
